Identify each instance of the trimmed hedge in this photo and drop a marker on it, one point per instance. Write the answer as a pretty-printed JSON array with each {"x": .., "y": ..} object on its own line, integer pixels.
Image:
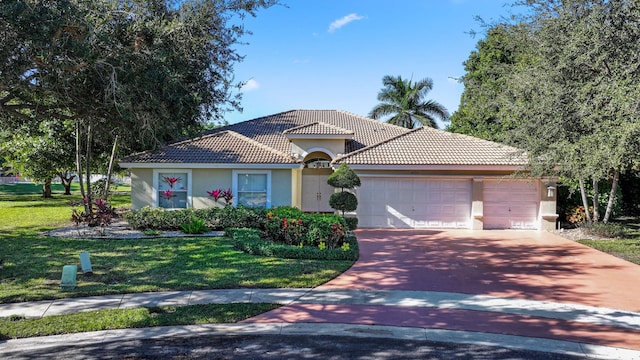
[
  {"x": 215, "y": 218},
  {"x": 249, "y": 241},
  {"x": 158, "y": 219},
  {"x": 284, "y": 232}
]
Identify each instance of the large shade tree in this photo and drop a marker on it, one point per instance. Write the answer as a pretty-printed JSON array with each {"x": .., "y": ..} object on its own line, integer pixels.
[
  {"x": 147, "y": 71},
  {"x": 42, "y": 153},
  {"x": 502, "y": 52},
  {"x": 584, "y": 99},
  {"x": 571, "y": 98},
  {"x": 404, "y": 103}
]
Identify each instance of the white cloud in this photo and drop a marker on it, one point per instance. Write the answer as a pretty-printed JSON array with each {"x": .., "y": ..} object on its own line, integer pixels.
[
  {"x": 251, "y": 85},
  {"x": 344, "y": 21}
]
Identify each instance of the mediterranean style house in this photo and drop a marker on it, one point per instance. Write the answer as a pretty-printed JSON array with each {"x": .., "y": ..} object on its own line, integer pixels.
[{"x": 411, "y": 178}]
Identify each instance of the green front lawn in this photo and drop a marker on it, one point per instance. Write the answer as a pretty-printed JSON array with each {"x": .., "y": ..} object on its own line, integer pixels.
[
  {"x": 628, "y": 249},
  {"x": 620, "y": 238},
  {"x": 33, "y": 263},
  {"x": 16, "y": 327},
  {"x": 33, "y": 266}
]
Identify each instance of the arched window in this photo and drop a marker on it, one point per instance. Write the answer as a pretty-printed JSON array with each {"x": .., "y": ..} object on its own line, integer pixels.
[{"x": 317, "y": 163}]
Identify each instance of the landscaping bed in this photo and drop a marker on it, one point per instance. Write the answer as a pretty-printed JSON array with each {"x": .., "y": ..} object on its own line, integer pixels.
[
  {"x": 284, "y": 232},
  {"x": 620, "y": 239},
  {"x": 32, "y": 263}
]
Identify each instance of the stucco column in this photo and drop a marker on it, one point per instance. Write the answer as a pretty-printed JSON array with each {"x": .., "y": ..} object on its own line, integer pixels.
[
  {"x": 548, "y": 199},
  {"x": 296, "y": 188},
  {"x": 477, "y": 204}
]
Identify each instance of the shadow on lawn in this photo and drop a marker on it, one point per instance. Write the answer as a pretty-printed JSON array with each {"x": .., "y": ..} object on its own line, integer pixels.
[{"x": 33, "y": 266}]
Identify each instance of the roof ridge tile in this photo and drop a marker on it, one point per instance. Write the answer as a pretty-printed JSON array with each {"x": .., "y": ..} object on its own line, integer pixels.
[
  {"x": 319, "y": 123},
  {"x": 369, "y": 119}
]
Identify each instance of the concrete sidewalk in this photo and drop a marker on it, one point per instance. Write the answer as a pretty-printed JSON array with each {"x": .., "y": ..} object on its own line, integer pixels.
[
  {"x": 349, "y": 305},
  {"x": 325, "y": 296}
]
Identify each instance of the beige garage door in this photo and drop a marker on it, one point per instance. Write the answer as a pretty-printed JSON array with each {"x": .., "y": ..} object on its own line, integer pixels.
[
  {"x": 510, "y": 204},
  {"x": 414, "y": 203}
]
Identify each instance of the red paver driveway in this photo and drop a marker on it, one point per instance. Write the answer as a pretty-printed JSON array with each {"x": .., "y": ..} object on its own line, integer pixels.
[
  {"x": 519, "y": 264},
  {"x": 516, "y": 264}
]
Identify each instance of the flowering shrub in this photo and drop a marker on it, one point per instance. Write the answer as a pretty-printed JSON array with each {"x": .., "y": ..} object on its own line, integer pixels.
[
  {"x": 226, "y": 195},
  {"x": 102, "y": 215},
  {"x": 293, "y": 227},
  {"x": 215, "y": 194},
  {"x": 577, "y": 215},
  {"x": 292, "y": 231}
]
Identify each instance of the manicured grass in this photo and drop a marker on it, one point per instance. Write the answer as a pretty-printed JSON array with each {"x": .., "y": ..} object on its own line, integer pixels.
[
  {"x": 33, "y": 263},
  {"x": 15, "y": 327},
  {"x": 56, "y": 189},
  {"x": 628, "y": 249},
  {"x": 31, "y": 214}
]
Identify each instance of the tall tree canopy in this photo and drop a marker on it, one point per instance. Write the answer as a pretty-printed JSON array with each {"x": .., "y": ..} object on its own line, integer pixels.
[
  {"x": 496, "y": 57},
  {"x": 405, "y": 103},
  {"x": 146, "y": 70},
  {"x": 571, "y": 98}
]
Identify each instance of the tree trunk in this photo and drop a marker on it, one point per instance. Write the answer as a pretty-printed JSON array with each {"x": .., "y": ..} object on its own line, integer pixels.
[
  {"x": 612, "y": 197},
  {"x": 87, "y": 173},
  {"x": 113, "y": 155},
  {"x": 596, "y": 195},
  {"x": 79, "y": 161},
  {"x": 66, "y": 180},
  {"x": 585, "y": 202},
  {"x": 46, "y": 189}
]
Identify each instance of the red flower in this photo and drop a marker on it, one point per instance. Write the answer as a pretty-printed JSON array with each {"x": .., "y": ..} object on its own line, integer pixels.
[
  {"x": 215, "y": 194},
  {"x": 171, "y": 180},
  {"x": 168, "y": 194},
  {"x": 227, "y": 195}
]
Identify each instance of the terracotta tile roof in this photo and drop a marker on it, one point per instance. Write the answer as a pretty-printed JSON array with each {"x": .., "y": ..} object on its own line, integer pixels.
[
  {"x": 318, "y": 128},
  {"x": 264, "y": 141},
  {"x": 428, "y": 146},
  {"x": 217, "y": 148},
  {"x": 268, "y": 131}
]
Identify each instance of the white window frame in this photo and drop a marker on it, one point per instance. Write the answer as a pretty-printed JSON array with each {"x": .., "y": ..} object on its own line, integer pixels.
[
  {"x": 156, "y": 185},
  {"x": 234, "y": 184}
]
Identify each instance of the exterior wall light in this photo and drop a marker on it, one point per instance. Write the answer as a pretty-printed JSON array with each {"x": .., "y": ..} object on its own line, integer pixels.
[{"x": 551, "y": 191}]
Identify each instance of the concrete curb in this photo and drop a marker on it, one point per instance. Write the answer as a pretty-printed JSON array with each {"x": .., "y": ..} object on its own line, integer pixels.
[
  {"x": 340, "y": 330},
  {"x": 325, "y": 296}
]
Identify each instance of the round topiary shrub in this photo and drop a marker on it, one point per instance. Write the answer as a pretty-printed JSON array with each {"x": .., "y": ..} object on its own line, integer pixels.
[{"x": 343, "y": 201}]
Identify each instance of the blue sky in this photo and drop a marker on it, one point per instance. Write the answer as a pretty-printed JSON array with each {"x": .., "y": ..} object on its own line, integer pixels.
[{"x": 332, "y": 54}]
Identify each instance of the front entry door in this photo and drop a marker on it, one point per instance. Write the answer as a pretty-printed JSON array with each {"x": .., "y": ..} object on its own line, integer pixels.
[{"x": 316, "y": 193}]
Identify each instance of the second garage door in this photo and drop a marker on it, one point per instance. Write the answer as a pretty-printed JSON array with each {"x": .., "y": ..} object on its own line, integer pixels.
[
  {"x": 510, "y": 204},
  {"x": 414, "y": 203}
]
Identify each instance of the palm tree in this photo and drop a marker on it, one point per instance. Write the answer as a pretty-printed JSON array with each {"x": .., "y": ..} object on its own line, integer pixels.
[{"x": 405, "y": 102}]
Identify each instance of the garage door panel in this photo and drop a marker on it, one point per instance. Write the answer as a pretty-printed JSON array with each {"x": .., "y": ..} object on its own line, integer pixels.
[
  {"x": 415, "y": 203},
  {"x": 510, "y": 204}
]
